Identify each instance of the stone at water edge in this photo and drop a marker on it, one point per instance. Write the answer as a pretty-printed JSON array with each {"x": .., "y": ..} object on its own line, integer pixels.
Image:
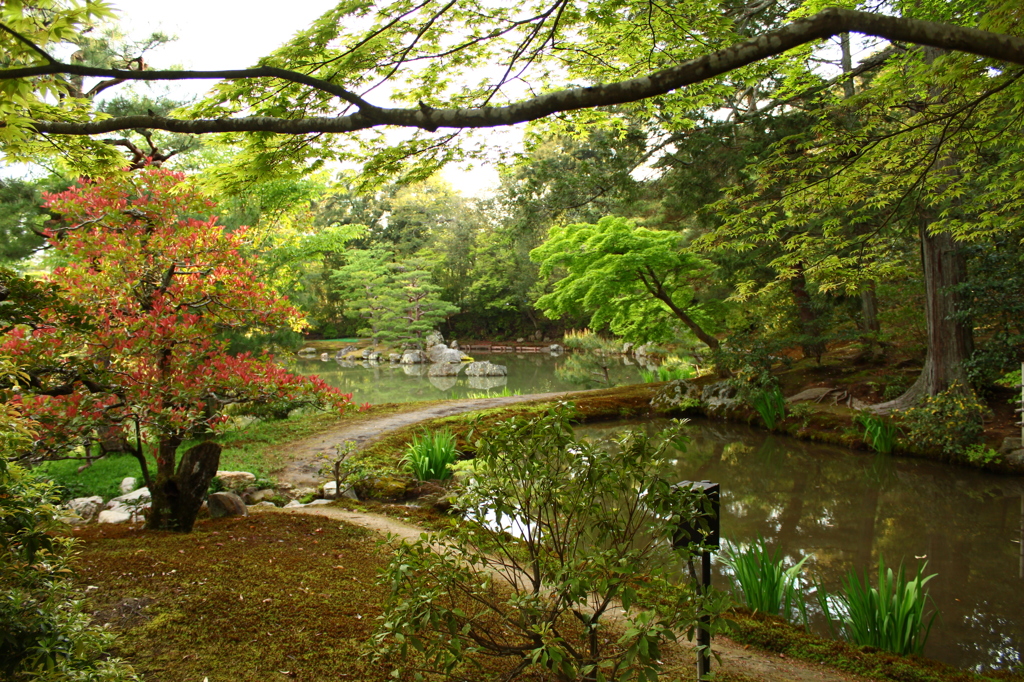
[
  {"x": 556, "y": 349},
  {"x": 235, "y": 480},
  {"x": 434, "y": 338},
  {"x": 394, "y": 358},
  {"x": 308, "y": 350},
  {"x": 1010, "y": 444},
  {"x": 226, "y": 504},
  {"x": 444, "y": 369},
  {"x": 129, "y": 484},
  {"x": 413, "y": 357}
]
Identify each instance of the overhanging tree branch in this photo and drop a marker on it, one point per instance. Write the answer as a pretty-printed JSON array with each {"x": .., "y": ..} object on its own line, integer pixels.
[{"x": 828, "y": 23}]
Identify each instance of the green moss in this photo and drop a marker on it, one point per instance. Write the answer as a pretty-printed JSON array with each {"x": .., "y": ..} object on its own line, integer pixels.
[
  {"x": 241, "y": 599},
  {"x": 772, "y": 634}
]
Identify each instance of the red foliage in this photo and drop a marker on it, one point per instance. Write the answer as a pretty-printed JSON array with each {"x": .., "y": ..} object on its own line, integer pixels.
[{"x": 145, "y": 257}]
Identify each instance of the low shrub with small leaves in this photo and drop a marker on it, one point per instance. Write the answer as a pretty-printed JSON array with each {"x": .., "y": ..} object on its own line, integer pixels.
[{"x": 949, "y": 422}]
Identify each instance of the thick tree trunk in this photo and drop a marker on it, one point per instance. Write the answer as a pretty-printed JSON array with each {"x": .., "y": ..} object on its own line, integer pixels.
[
  {"x": 810, "y": 326},
  {"x": 950, "y": 341},
  {"x": 869, "y": 326},
  {"x": 178, "y": 494}
]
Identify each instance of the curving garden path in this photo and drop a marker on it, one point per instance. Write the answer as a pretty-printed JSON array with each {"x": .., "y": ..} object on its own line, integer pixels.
[{"x": 304, "y": 466}]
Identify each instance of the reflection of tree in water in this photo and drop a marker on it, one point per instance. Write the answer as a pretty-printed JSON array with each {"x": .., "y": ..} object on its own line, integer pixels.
[{"x": 848, "y": 508}]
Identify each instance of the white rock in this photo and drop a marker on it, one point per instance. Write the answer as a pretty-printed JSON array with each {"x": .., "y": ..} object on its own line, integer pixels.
[
  {"x": 114, "y": 516},
  {"x": 331, "y": 489},
  {"x": 129, "y": 484},
  {"x": 235, "y": 479},
  {"x": 140, "y": 494},
  {"x": 315, "y": 503},
  {"x": 436, "y": 352},
  {"x": 294, "y": 503},
  {"x": 86, "y": 507},
  {"x": 308, "y": 350}
]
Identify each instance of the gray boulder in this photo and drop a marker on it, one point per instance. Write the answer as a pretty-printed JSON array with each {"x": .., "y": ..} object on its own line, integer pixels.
[
  {"x": 555, "y": 349},
  {"x": 414, "y": 357},
  {"x": 444, "y": 369},
  {"x": 436, "y": 352},
  {"x": 114, "y": 516},
  {"x": 129, "y": 484},
  {"x": 676, "y": 393},
  {"x": 86, "y": 507},
  {"x": 485, "y": 369},
  {"x": 257, "y": 496},
  {"x": 236, "y": 480},
  {"x": 226, "y": 504},
  {"x": 451, "y": 355},
  {"x": 394, "y": 358},
  {"x": 1010, "y": 444},
  {"x": 434, "y": 338},
  {"x": 265, "y": 504},
  {"x": 330, "y": 491},
  {"x": 719, "y": 396},
  {"x": 133, "y": 497}
]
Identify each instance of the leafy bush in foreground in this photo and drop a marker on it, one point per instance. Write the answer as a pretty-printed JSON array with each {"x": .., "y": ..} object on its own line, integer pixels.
[{"x": 579, "y": 531}]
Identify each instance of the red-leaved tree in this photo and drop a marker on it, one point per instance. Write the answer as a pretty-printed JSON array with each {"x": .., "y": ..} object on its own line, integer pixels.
[{"x": 157, "y": 279}]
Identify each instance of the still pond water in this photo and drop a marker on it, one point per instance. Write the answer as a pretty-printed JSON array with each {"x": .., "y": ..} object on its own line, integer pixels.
[
  {"x": 846, "y": 509},
  {"x": 527, "y": 373}
]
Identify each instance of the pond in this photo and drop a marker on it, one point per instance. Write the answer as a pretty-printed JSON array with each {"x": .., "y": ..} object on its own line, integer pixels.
[
  {"x": 527, "y": 373},
  {"x": 846, "y": 509}
]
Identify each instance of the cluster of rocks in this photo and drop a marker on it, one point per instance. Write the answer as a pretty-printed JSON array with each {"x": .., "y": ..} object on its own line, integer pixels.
[
  {"x": 240, "y": 494},
  {"x": 1012, "y": 450}
]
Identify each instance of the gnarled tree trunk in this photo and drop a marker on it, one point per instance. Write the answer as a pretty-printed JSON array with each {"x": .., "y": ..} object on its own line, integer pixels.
[{"x": 178, "y": 494}]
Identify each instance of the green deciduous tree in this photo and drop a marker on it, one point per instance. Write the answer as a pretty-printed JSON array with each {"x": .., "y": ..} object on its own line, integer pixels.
[{"x": 639, "y": 283}]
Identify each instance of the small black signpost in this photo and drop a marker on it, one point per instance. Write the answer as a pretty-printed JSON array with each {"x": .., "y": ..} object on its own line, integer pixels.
[{"x": 710, "y": 537}]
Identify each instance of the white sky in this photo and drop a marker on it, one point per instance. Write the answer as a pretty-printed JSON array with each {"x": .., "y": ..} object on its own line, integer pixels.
[{"x": 229, "y": 34}]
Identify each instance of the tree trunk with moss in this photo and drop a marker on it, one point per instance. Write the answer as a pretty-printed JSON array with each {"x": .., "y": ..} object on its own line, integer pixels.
[{"x": 177, "y": 494}]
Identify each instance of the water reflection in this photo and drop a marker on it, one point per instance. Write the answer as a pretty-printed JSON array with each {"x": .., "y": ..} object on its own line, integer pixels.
[
  {"x": 847, "y": 509},
  {"x": 386, "y": 383}
]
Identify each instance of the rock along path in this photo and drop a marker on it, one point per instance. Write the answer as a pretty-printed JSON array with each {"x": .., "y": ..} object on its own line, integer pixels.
[{"x": 303, "y": 470}]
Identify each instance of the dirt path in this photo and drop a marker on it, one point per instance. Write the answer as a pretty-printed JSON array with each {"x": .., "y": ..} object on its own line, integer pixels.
[
  {"x": 735, "y": 657},
  {"x": 304, "y": 467}
]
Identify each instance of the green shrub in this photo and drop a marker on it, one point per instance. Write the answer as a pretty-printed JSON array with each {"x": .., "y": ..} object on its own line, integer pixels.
[
  {"x": 948, "y": 422},
  {"x": 577, "y": 531},
  {"x": 431, "y": 455},
  {"x": 45, "y": 632},
  {"x": 770, "y": 404},
  {"x": 767, "y": 586},
  {"x": 980, "y": 454},
  {"x": 879, "y": 432},
  {"x": 889, "y": 617}
]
